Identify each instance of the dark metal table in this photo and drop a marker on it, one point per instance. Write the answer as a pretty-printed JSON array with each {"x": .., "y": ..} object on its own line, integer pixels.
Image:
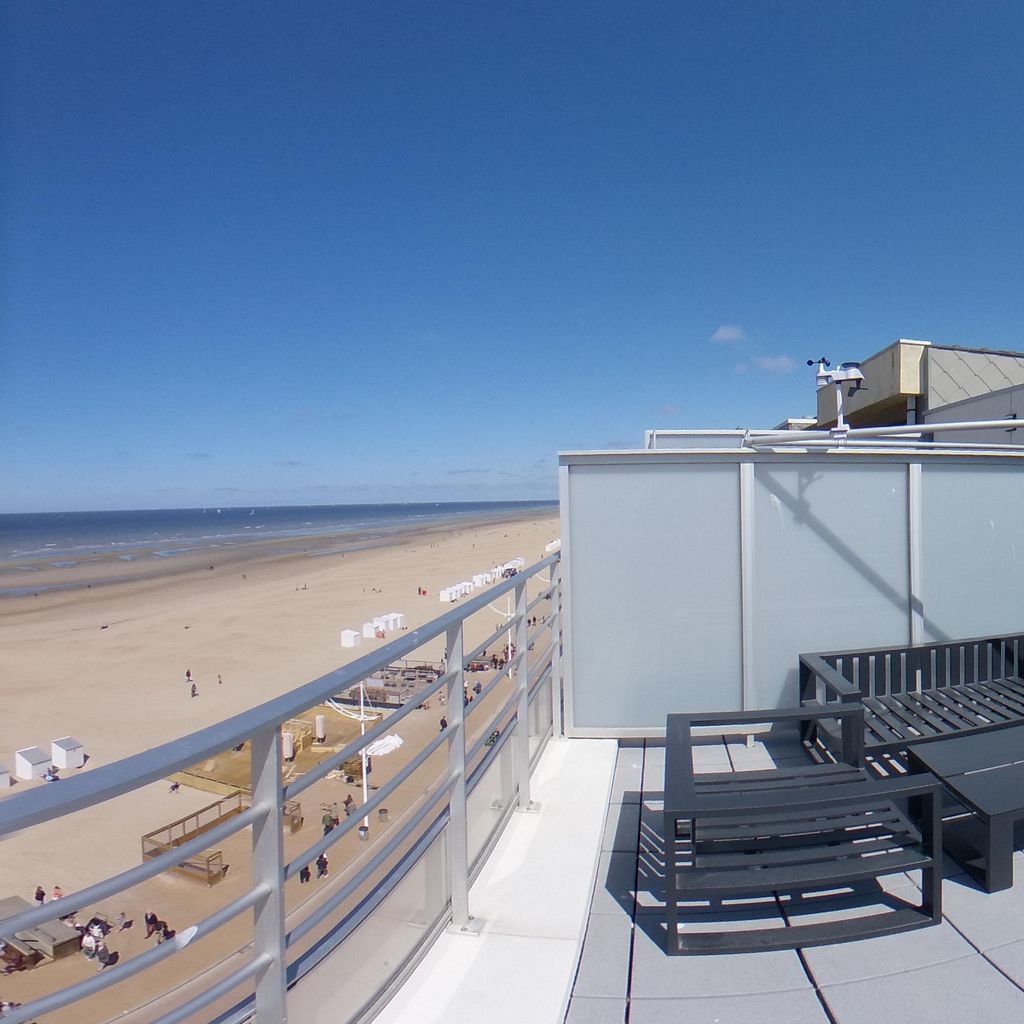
[{"x": 985, "y": 773}]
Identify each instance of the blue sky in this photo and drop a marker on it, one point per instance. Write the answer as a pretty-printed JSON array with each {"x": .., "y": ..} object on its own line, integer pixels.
[{"x": 348, "y": 251}]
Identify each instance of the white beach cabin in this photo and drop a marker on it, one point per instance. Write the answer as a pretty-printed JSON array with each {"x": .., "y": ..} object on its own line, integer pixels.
[
  {"x": 351, "y": 638},
  {"x": 31, "y": 763},
  {"x": 67, "y": 752}
]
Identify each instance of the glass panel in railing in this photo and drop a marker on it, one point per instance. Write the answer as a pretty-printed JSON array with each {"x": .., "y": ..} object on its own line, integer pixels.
[
  {"x": 355, "y": 973},
  {"x": 540, "y": 717},
  {"x": 385, "y": 759},
  {"x": 489, "y": 799}
]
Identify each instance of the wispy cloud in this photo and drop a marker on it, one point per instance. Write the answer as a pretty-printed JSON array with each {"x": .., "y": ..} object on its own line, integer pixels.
[
  {"x": 671, "y": 409},
  {"x": 464, "y": 472},
  {"x": 775, "y": 364},
  {"x": 200, "y": 455},
  {"x": 287, "y": 462},
  {"x": 729, "y": 334}
]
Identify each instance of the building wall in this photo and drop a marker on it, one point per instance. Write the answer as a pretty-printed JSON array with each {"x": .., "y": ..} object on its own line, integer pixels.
[
  {"x": 952, "y": 375},
  {"x": 693, "y": 580},
  {"x": 996, "y": 405}
]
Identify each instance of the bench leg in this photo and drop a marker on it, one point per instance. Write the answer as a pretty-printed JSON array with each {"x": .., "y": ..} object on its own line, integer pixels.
[
  {"x": 671, "y": 895},
  {"x": 999, "y": 853}
]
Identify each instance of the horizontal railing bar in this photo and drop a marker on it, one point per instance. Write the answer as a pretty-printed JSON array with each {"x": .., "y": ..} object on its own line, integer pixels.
[
  {"x": 214, "y": 992},
  {"x": 73, "y": 993},
  {"x": 327, "y": 841},
  {"x": 913, "y": 429},
  {"x": 131, "y": 773},
  {"x": 324, "y": 910},
  {"x": 325, "y": 767},
  {"x": 171, "y": 858}
]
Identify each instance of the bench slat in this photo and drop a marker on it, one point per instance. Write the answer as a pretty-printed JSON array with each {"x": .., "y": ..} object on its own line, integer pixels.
[
  {"x": 692, "y": 882},
  {"x": 849, "y": 848},
  {"x": 921, "y": 712},
  {"x": 798, "y": 936},
  {"x": 951, "y": 715},
  {"x": 774, "y": 822}
]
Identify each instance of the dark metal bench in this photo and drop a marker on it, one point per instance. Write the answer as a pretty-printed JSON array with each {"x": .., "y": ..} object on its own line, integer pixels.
[
  {"x": 791, "y": 832},
  {"x": 918, "y": 693}
]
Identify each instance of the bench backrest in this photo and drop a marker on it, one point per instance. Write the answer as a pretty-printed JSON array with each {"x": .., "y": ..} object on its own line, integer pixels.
[{"x": 886, "y": 671}]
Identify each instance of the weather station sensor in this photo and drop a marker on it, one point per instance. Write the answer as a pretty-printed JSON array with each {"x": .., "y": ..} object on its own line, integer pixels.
[{"x": 847, "y": 377}]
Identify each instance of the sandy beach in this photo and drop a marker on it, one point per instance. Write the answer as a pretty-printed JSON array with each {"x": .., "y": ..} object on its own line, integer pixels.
[{"x": 107, "y": 665}]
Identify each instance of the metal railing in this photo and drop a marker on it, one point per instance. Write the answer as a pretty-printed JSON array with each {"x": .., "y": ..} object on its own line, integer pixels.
[{"x": 281, "y": 946}]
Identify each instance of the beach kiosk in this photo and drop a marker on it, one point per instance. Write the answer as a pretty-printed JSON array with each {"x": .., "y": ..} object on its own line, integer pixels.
[
  {"x": 369, "y": 630},
  {"x": 351, "y": 638},
  {"x": 30, "y": 763},
  {"x": 67, "y": 752}
]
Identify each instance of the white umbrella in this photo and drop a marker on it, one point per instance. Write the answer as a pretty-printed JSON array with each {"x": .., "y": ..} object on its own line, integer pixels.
[{"x": 384, "y": 745}]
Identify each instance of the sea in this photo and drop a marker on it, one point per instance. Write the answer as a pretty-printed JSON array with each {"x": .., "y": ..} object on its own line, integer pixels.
[{"x": 66, "y": 539}]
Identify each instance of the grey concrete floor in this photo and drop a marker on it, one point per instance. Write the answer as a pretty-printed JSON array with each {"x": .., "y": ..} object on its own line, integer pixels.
[{"x": 971, "y": 967}]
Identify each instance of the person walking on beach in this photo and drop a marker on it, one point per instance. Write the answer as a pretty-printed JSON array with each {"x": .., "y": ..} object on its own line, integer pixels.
[
  {"x": 305, "y": 874},
  {"x": 195, "y": 692},
  {"x": 188, "y": 675},
  {"x": 321, "y": 865},
  {"x": 40, "y": 895},
  {"x": 444, "y": 723},
  {"x": 348, "y": 803},
  {"x": 151, "y": 922},
  {"x": 328, "y": 822}
]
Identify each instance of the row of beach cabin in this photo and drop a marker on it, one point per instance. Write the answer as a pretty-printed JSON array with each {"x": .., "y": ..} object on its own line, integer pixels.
[
  {"x": 377, "y": 628},
  {"x": 481, "y": 579}
]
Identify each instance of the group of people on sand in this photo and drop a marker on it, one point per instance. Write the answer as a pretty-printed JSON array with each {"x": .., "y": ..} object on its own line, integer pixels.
[
  {"x": 193, "y": 686},
  {"x": 306, "y": 873},
  {"x": 95, "y": 932}
]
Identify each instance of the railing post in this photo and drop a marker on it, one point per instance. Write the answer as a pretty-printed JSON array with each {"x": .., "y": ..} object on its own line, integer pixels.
[
  {"x": 556, "y": 651},
  {"x": 521, "y": 749},
  {"x": 268, "y": 869},
  {"x": 458, "y": 852}
]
